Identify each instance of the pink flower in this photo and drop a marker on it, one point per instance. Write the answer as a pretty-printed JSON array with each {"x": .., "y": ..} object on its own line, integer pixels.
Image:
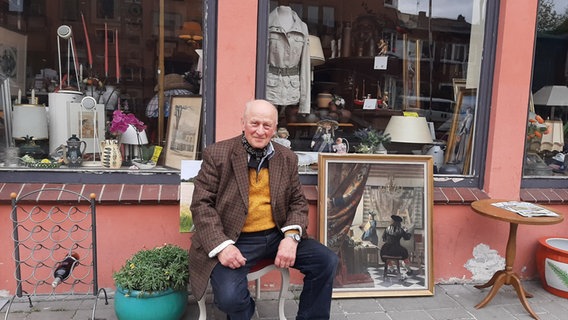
[{"x": 121, "y": 121}]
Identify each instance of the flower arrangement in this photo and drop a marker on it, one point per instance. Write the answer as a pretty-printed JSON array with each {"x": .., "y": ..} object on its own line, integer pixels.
[
  {"x": 121, "y": 121},
  {"x": 372, "y": 140},
  {"x": 535, "y": 129},
  {"x": 155, "y": 269}
]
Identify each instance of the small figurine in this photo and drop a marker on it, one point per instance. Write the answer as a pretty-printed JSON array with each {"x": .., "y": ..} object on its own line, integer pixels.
[
  {"x": 383, "y": 47},
  {"x": 340, "y": 147},
  {"x": 324, "y": 137},
  {"x": 281, "y": 137}
]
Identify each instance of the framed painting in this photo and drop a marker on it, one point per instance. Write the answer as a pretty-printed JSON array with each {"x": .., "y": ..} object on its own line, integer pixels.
[
  {"x": 88, "y": 123},
  {"x": 183, "y": 130},
  {"x": 457, "y": 84},
  {"x": 458, "y": 151},
  {"x": 13, "y": 59},
  {"x": 375, "y": 212}
]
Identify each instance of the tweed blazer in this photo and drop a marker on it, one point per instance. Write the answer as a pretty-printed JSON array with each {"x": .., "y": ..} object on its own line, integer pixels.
[{"x": 220, "y": 201}]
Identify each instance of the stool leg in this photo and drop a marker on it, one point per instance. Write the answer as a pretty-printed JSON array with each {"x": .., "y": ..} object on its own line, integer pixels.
[
  {"x": 285, "y": 275},
  {"x": 202, "y": 309}
]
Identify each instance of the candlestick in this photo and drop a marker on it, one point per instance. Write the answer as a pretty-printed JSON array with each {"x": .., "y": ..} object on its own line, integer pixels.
[
  {"x": 106, "y": 52},
  {"x": 81, "y": 72},
  {"x": 117, "y": 60},
  {"x": 19, "y": 101},
  {"x": 89, "y": 54},
  {"x": 33, "y": 97}
]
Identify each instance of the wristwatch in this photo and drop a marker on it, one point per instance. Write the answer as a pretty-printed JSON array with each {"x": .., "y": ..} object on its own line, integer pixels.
[{"x": 294, "y": 236}]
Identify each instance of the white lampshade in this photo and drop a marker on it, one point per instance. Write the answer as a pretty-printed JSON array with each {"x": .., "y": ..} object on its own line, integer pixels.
[
  {"x": 29, "y": 120},
  {"x": 316, "y": 52},
  {"x": 409, "y": 130},
  {"x": 551, "y": 96},
  {"x": 131, "y": 136}
]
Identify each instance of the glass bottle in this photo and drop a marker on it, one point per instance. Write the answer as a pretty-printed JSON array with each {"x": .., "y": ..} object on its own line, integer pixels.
[{"x": 64, "y": 269}]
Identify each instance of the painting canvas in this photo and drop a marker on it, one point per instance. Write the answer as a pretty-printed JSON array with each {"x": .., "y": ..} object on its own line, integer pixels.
[
  {"x": 189, "y": 169},
  {"x": 459, "y": 143},
  {"x": 183, "y": 130},
  {"x": 13, "y": 59},
  {"x": 376, "y": 214}
]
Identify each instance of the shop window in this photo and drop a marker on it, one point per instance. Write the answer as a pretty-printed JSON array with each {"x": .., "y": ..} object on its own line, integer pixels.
[
  {"x": 546, "y": 138},
  {"x": 357, "y": 66},
  {"x": 105, "y": 49}
]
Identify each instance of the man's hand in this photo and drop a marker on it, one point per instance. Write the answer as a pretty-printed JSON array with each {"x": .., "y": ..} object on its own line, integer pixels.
[
  {"x": 231, "y": 257},
  {"x": 286, "y": 255}
]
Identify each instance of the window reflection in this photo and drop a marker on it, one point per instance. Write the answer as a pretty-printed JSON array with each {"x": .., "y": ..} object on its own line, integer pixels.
[
  {"x": 382, "y": 59},
  {"x": 113, "y": 56},
  {"x": 548, "y": 108}
]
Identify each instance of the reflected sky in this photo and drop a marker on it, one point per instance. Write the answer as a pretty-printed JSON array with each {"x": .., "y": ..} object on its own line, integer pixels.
[{"x": 450, "y": 9}]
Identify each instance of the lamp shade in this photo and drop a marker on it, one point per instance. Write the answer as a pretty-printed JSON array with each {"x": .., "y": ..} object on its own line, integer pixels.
[
  {"x": 29, "y": 120},
  {"x": 316, "y": 52},
  {"x": 131, "y": 136},
  {"x": 551, "y": 96},
  {"x": 408, "y": 130}
]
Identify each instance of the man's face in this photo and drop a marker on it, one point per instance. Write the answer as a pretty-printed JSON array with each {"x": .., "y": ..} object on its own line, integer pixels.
[{"x": 259, "y": 124}]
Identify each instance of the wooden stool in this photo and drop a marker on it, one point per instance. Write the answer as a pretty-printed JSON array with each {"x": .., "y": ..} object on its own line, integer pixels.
[
  {"x": 260, "y": 269},
  {"x": 386, "y": 260}
]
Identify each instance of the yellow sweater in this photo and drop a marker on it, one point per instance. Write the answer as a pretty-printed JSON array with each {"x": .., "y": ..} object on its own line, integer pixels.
[{"x": 259, "y": 216}]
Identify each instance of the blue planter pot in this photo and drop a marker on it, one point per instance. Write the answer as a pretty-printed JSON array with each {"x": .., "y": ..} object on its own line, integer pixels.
[{"x": 161, "y": 305}]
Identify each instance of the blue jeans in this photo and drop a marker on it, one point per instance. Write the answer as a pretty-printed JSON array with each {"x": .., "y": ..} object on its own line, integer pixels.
[{"x": 314, "y": 260}]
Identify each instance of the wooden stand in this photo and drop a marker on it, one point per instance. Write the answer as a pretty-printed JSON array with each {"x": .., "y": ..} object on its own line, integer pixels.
[{"x": 508, "y": 276}]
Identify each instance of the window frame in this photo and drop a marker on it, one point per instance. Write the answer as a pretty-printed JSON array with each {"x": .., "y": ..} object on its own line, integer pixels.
[{"x": 475, "y": 180}]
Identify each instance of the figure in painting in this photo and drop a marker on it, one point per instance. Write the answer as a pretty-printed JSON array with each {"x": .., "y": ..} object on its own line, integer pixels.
[
  {"x": 370, "y": 230},
  {"x": 392, "y": 247}
]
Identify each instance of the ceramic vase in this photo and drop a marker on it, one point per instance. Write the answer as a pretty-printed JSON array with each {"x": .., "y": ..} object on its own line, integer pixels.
[{"x": 111, "y": 156}]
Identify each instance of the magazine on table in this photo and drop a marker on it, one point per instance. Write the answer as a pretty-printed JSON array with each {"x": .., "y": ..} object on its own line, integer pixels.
[{"x": 525, "y": 209}]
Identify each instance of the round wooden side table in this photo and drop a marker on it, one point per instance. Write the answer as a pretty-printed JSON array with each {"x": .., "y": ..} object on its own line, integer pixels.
[{"x": 507, "y": 276}]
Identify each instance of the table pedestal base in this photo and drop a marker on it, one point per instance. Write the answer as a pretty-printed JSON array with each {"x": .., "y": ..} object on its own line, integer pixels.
[{"x": 507, "y": 277}]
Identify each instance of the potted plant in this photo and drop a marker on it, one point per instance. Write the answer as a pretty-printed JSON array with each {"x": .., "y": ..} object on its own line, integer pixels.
[
  {"x": 152, "y": 284},
  {"x": 372, "y": 141}
]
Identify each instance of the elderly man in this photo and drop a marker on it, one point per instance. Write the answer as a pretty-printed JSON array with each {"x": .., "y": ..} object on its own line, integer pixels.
[{"x": 248, "y": 205}]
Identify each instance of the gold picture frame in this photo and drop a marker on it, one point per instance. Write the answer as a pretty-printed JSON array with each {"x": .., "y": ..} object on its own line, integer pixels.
[
  {"x": 459, "y": 145},
  {"x": 184, "y": 128},
  {"x": 360, "y": 197}
]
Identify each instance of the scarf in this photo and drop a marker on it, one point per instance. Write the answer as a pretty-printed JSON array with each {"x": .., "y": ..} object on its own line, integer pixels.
[{"x": 256, "y": 155}]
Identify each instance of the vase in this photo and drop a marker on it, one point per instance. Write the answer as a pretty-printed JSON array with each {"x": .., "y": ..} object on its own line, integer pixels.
[
  {"x": 380, "y": 149},
  {"x": 111, "y": 157},
  {"x": 160, "y": 305},
  {"x": 552, "y": 264}
]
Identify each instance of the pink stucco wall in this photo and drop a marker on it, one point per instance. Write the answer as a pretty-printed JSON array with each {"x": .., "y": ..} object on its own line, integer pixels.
[{"x": 457, "y": 230}]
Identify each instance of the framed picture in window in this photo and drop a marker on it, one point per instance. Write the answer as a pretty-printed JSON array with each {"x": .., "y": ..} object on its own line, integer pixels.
[
  {"x": 13, "y": 58},
  {"x": 183, "y": 130},
  {"x": 458, "y": 84},
  {"x": 375, "y": 212},
  {"x": 458, "y": 151}
]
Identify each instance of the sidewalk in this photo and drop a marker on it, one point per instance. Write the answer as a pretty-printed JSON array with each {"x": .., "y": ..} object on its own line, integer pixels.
[{"x": 449, "y": 302}]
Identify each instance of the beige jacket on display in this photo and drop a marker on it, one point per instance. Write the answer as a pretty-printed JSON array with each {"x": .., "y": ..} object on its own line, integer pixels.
[{"x": 288, "y": 78}]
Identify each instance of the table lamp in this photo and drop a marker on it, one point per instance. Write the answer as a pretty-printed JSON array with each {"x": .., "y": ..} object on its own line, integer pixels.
[
  {"x": 408, "y": 133},
  {"x": 133, "y": 139},
  {"x": 551, "y": 96},
  {"x": 29, "y": 123}
]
